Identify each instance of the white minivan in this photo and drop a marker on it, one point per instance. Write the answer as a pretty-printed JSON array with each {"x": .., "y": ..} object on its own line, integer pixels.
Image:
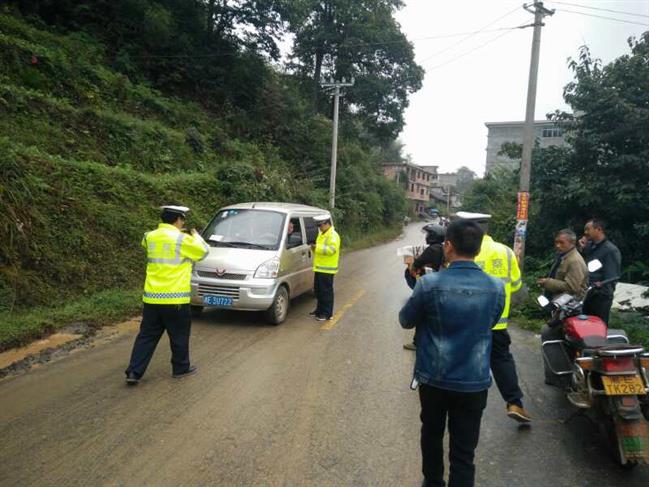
[{"x": 259, "y": 258}]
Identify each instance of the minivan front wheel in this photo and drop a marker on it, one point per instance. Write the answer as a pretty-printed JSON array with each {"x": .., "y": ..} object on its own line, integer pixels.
[{"x": 279, "y": 309}]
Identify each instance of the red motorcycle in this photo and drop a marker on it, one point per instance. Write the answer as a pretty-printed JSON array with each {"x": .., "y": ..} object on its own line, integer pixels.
[{"x": 602, "y": 374}]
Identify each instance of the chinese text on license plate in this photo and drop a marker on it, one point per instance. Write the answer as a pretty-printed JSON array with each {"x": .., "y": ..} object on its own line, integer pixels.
[{"x": 620, "y": 385}]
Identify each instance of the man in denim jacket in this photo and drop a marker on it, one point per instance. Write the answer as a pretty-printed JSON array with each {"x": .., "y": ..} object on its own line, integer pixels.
[{"x": 454, "y": 312}]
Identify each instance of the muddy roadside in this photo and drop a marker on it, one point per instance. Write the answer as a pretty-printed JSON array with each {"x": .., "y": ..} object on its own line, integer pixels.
[{"x": 69, "y": 339}]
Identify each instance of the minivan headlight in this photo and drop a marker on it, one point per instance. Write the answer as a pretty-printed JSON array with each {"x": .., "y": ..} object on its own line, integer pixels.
[{"x": 268, "y": 270}]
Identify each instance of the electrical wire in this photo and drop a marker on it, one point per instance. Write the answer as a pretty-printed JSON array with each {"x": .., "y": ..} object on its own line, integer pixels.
[
  {"x": 601, "y": 17},
  {"x": 469, "y": 52},
  {"x": 602, "y": 9},
  {"x": 472, "y": 34},
  {"x": 359, "y": 44}
]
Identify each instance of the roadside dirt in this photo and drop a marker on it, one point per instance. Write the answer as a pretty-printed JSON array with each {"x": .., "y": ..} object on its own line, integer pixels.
[{"x": 72, "y": 338}]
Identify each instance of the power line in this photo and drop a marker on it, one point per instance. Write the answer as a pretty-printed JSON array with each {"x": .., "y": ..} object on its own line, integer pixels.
[
  {"x": 602, "y": 9},
  {"x": 601, "y": 17},
  {"x": 472, "y": 34},
  {"x": 470, "y": 51},
  {"x": 342, "y": 45}
]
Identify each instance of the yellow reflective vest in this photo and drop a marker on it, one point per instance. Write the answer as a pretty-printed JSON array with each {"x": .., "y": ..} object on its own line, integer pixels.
[
  {"x": 327, "y": 252},
  {"x": 499, "y": 261},
  {"x": 170, "y": 257}
]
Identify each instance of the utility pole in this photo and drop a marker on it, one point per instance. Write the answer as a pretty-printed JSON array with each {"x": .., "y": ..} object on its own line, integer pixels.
[
  {"x": 334, "y": 141},
  {"x": 448, "y": 201},
  {"x": 539, "y": 12}
]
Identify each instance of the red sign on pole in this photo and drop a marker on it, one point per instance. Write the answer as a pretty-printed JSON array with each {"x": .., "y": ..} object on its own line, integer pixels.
[{"x": 523, "y": 205}]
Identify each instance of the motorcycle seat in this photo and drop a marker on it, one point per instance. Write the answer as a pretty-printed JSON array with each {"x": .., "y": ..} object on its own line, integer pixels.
[{"x": 616, "y": 336}]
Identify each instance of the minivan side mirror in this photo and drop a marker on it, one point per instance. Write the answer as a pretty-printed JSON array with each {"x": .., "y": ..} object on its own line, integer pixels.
[
  {"x": 594, "y": 265},
  {"x": 543, "y": 301}
]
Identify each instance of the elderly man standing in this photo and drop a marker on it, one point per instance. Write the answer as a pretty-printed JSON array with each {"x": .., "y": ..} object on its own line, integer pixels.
[{"x": 568, "y": 274}]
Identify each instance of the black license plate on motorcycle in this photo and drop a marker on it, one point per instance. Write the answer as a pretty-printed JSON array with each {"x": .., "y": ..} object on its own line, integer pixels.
[{"x": 623, "y": 385}]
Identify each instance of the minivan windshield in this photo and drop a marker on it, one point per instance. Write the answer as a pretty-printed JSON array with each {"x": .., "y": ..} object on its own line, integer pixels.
[{"x": 244, "y": 228}]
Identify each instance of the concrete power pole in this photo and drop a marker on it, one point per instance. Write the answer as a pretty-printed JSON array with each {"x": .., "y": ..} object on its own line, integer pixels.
[
  {"x": 539, "y": 12},
  {"x": 448, "y": 201},
  {"x": 334, "y": 140}
]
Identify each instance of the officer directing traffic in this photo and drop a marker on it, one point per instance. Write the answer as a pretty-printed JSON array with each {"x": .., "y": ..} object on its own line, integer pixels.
[
  {"x": 325, "y": 266},
  {"x": 170, "y": 257}
]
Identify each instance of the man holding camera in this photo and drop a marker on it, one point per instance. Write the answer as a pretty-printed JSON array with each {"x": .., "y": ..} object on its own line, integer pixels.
[
  {"x": 453, "y": 312},
  {"x": 170, "y": 257}
]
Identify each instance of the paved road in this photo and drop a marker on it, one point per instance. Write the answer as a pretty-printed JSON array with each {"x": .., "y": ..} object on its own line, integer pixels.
[{"x": 290, "y": 405}]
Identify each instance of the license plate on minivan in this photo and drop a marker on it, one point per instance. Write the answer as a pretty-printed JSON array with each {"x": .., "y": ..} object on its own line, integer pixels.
[{"x": 223, "y": 301}]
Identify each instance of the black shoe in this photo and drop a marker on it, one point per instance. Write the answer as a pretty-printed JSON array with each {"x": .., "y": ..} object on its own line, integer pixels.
[
  {"x": 190, "y": 371},
  {"x": 323, "y": 318},
  {"x": 312, "y": 313},
  {"x": 132, "y": 379}
]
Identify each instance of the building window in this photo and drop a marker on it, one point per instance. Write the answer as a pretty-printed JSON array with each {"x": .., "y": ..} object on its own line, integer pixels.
[
  {"x": 552, "y": 132},
  {"x": 421, "y": 191},
  {"x": 412, "y": 187}
]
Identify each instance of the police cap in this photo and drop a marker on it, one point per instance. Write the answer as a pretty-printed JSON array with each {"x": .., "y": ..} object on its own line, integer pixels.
[
  {"x": 175, "y": 210},
  {"x": 325, "y": 217},
  {"x": 476, "y": 217}
]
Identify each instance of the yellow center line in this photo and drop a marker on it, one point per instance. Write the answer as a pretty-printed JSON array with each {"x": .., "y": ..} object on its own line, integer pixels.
[{"x": 339, "y": 314}]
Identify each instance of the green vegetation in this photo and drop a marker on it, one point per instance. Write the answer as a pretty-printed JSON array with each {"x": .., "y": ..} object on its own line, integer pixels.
[
  {"x": 603, "y": 173},
  {"x": 102, "y": 308},
  {"x": 110, "y": 109}
]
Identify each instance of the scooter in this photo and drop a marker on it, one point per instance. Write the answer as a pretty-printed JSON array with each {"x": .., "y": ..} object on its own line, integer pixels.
[{"x": 602, "y": 374}]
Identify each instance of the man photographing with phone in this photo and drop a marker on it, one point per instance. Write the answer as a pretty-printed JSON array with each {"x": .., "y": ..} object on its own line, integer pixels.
[
  {"x": 453, "y": 312},
  {"x": 170, "y": 257}
]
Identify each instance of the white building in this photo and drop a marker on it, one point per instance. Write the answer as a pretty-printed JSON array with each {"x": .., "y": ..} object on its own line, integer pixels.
[{"x": 545, "y": 131}]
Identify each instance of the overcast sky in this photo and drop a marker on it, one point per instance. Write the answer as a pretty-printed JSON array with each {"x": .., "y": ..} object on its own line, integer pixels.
[{"x": 445, "y": 120}]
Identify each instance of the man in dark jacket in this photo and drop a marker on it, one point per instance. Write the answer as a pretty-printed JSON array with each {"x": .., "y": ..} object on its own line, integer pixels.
[
  {"x": 432, "y": 256},
  {"x": 454, "y": 312},
  {"x": 595, "y": 245}
]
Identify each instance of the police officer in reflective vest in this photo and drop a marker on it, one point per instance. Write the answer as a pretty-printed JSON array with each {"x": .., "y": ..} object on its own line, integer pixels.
[
  {"x": 326, "y": 252},
  {"x": 170, "y": 257},
  {"x": 499, "y": 261}
]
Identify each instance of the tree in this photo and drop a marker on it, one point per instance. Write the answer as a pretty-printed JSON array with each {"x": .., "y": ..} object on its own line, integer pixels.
[
  {"x": 465, "y": 178},
  {"x": 358, "y": 39},
  {"x": 607, "y": 173}
]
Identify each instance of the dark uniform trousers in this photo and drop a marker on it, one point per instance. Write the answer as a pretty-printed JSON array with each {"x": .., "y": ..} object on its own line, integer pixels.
[
  {"x": 464, "y": 413},
  {"x": 323, "y": 286},
  {"x": 503, "y": 368},
  {"x": 156, "y": 318}
]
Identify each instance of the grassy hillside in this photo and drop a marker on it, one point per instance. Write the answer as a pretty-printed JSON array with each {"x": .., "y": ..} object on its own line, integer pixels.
[{"x": 87, "y": 156}]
